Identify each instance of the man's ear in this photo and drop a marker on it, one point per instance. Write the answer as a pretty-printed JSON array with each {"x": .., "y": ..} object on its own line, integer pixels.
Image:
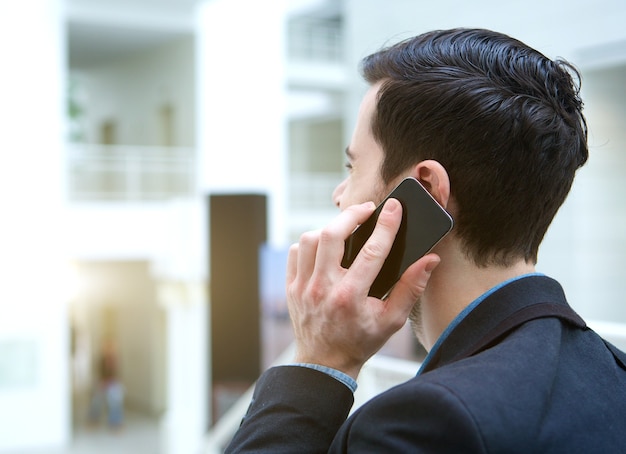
[{"x": 435, "y": 179}]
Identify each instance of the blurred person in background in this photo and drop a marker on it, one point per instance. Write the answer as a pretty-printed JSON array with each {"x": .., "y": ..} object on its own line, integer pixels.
[{"x": 109, "y": 392}]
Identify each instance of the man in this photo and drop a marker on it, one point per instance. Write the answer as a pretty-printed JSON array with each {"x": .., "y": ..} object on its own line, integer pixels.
[{"x": 494, "y": 131}]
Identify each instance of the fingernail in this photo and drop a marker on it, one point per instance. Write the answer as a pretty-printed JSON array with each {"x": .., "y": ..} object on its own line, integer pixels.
[
  {"x": 370, "y": 205},
  {"x": 430, "y": 266},
  {"x": 390, "y": 206}
]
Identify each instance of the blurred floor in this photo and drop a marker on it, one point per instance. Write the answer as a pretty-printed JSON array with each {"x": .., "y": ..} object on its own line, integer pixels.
[{"x": 140, "y": 435}]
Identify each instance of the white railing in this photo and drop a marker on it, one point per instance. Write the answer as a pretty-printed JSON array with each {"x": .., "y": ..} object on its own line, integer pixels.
[
  {"x": 139, "y": 173},
  {"x": 129, "y": 173},
  {"x": 379, "y": 374}
]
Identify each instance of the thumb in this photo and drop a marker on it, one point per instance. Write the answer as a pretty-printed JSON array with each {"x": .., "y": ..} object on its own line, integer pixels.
[
  {"x": 408, "y": 290},
  {"x": 414, "y": 280}
]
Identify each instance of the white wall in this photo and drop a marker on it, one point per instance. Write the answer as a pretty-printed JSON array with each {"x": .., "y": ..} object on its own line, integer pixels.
[
  {"x": 563, "y": 28},
  {"x": 133, "y": 90},
  {"x": 34, "y": 348},
  {"x": 590, "y": 230},
  {"x": 582, "y": 250},
  {"x": 316, "y": 146},
  {"x": 117, "y": 231}
]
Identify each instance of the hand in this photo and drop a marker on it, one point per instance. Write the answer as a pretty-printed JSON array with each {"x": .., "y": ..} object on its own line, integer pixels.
[{"x": 336, "y": 323}]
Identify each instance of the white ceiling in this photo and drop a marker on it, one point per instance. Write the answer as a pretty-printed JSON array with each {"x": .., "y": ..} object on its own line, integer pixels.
[{"x": 101, "y": 30}]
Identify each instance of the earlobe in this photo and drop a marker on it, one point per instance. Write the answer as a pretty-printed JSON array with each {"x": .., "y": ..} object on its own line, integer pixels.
[{"x": 435, "y": 179}]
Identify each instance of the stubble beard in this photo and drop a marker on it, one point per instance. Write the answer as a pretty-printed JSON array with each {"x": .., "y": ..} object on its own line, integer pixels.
[
  {"x": 415, "y": 320},
  {"x": 381, "y": 190}
]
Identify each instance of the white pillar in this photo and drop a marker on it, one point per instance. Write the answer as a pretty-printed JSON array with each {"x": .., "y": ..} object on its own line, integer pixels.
[
  {"x": 241, "y": 102},
  {"x": 241, "y": 99},
  {"x": 34, "y": 347},
  {"x": 180, "y": 270},
  {"x": 185, "y": 421}
]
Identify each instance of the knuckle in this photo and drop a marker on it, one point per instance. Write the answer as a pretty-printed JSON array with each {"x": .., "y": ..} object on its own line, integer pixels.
[
  {"x": 373, "y": 250},
  {"x": 326, "y": 235},
  {"x": 397, "y": 323},
  {"x": 316, "y": 289},
  {"x": 308, "y": 238},
  {"x": 418, "y": 287},
  {"x": 343, "y": 295},
  {"x": 415, "y": 288}
]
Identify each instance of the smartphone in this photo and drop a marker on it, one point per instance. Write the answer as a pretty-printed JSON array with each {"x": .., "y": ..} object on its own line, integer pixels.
[{"x": 424, "y": 224}]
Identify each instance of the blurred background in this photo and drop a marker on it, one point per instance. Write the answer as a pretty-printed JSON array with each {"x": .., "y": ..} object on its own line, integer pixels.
[{"x": 159, "y": 156}]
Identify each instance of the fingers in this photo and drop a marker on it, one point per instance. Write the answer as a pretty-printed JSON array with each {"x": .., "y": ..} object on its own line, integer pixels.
[
  {"x": 317, "y": 251},
  {"x": 335, "y": 323},
  {"x": 410, "y": 287},
  {"x": 370, "y": 259},
  {"x": 307, "y": 250},
  {"x": 292, "y": 259},
  {"x": 416, "y": 277},
  {"x": 332, "y": 237}
]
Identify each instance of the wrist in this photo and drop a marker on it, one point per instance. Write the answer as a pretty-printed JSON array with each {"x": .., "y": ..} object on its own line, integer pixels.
[
  {"x": 347, "y": 380},
  {"x": 351, "y": 369}
]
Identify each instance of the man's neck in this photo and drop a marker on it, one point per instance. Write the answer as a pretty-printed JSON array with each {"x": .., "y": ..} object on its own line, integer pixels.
[{"x": 454, "y": 284}]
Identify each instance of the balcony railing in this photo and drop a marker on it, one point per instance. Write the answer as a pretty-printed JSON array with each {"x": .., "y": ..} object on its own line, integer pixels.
[
  {"x": 133, "y": 173},
  {"x": 129, "y": 173},
  {"x": 314, "y": 39}
]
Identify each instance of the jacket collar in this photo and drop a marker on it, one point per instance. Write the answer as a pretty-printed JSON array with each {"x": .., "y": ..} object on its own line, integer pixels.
[{"x": 501, "y": 311}]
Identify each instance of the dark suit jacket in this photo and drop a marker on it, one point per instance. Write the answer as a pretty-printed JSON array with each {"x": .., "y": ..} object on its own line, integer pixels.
[{"x": 498, "y": 383}]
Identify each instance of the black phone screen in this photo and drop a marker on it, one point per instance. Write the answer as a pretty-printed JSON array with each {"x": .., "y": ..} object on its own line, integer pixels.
[{"x": 424, "y": 223}]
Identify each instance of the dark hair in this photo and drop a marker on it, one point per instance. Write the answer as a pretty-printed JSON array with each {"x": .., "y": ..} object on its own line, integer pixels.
[{"x": 504, "y": 120}]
